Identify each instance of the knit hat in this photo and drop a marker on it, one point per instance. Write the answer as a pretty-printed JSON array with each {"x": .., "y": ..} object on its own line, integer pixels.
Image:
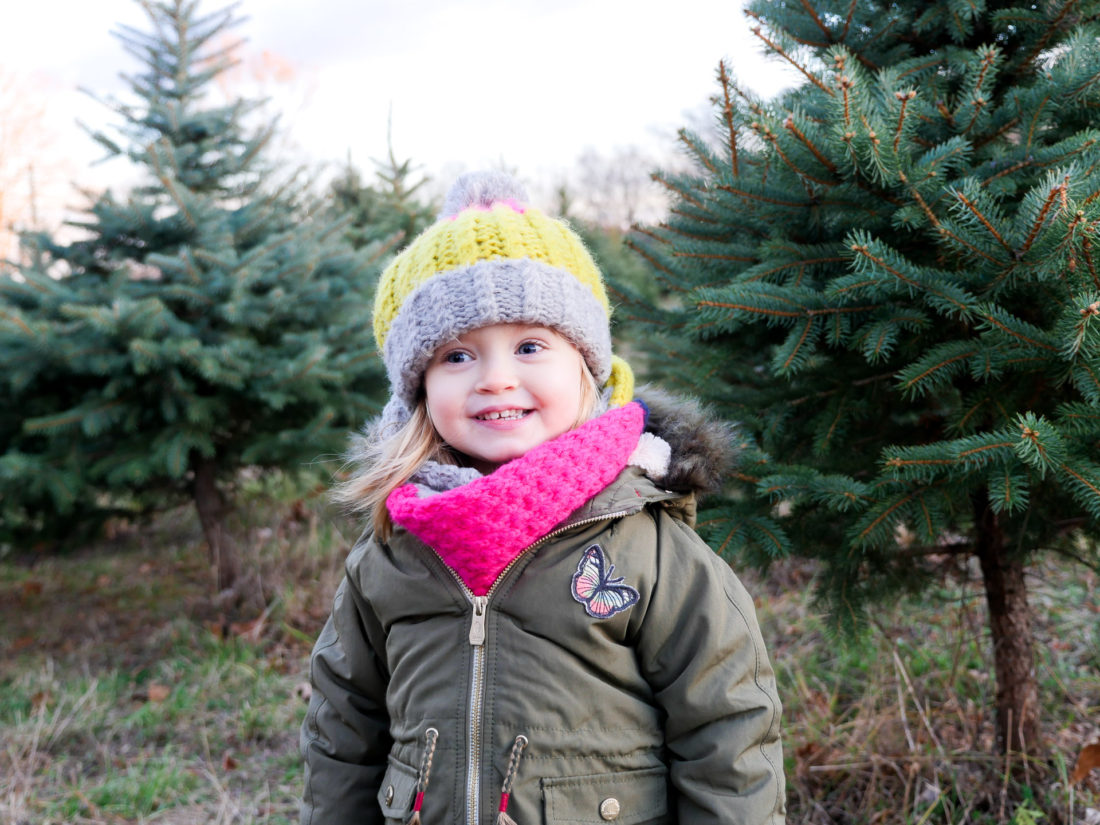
[{"x": 491, "y": 258}]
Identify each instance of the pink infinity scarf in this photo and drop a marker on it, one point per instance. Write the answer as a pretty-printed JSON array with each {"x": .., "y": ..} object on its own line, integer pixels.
[{"x": 480, "y": 527}]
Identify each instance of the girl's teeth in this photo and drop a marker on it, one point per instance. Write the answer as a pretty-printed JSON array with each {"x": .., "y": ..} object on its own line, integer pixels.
[{"x": 493, "y": 416}]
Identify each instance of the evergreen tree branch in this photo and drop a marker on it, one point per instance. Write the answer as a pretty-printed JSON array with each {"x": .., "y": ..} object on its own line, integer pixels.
[
  {"x": 779, "y": 50},
  {"x": 714, "y": 256},
  {"x": 15, "y": 319},
  {"x": 700, "y": 156},
  {"x": 865, "y": 251},
  {"x": 727, "y": 116},
  {"x": 943, "y": 230},
  {"x": 904, "y": 98},
  {"x": 1054, "y": 28},
  {"x": 978, "y": 100},
  {"x": 818, "y": 21},
  {"x": 977, "y": 213},
  {"x": 656, "y": 264},
  {"x": 1004, "y": 129},
  {"x": 1010, "y": 170},
  {"x": 979, "y": 104},
  {"x": 1057, "y": 193},
  {"x": 778, "y": 313},
  {"x": 1090, "y": 486},
  {"x": 946, "y": 114},
  {"x": 1086, "y": 252},
  {"x": 767, "y": 134},
  {"x": 1035, "y": 122},
  {"x": 678, "y": 190},
  {"x": 741, "y": 193},
  {"x": 971, "y": 412},
  {"x": 800, "y": 264},
  {"x": 683, "y": 213},
  {"x": 866, "y": 531},
  {"x": 939, "y": 365},
  {"x": 790, "y": 126},
  {"x": 916, "y": 68},
  {"x": 848, "y": 19},
  {"x": 845, "y": 84}
]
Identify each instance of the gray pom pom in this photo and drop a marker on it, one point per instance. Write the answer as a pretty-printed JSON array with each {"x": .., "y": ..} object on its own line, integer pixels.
[{"x": 482, "y": 189}]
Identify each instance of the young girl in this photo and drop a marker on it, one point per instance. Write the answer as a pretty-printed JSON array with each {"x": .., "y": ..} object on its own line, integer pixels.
[{"x": 531, "y": 631}]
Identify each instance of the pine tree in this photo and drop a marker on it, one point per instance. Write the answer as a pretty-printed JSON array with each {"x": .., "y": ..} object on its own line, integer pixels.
[
  {"x": 890, "y": 276},
  {"x": 212, "y": 319},
  {"x": 389, "y": 210}
]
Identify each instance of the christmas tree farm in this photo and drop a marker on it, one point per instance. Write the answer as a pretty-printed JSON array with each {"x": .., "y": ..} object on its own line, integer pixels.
[{"x": 889, "y": 275}]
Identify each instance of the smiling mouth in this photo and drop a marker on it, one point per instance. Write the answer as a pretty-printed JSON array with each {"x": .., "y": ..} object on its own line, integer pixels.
[{"x": 502, "y": 415}]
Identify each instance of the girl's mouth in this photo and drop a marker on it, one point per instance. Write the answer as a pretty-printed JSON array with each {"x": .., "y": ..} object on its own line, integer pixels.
[{"x": 502, "y": 415}]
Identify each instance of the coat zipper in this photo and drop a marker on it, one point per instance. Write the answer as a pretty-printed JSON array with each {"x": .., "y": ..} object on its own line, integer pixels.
[
  {"x": 473, "y": 711},
  {"x": 478, "y": 618}
]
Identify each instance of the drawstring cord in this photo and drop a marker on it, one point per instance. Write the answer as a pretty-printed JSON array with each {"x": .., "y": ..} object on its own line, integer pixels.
[
  {"x": 431, "y": 736},
  {"x": 509, "y": 777}
]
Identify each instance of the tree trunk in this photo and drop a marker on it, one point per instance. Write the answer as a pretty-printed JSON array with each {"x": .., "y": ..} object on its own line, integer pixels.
[
  {"x": 211, "y": 508},
  {"x": 1013, "y": 644}
]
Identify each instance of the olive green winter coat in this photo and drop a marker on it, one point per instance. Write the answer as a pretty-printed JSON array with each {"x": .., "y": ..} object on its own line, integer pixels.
[{"x": 663, "y": 712}]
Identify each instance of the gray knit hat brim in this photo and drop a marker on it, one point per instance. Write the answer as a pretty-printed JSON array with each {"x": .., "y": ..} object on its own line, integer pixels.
[{"x": 498, "y": 291}]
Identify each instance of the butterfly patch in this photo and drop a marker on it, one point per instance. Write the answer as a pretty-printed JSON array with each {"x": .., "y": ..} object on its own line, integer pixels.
[{"x": 594, "y": 587}]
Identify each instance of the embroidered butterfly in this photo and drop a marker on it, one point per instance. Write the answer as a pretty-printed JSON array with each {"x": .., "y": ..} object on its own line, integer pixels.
[{"x": 593, "y": 586}]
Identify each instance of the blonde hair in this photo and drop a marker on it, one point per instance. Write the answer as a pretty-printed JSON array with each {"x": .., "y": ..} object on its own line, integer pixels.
[{"x": 388, "y": 460}]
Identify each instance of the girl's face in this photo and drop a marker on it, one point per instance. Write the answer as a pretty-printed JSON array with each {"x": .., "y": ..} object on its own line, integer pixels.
[{"x": 496, "y": 392}]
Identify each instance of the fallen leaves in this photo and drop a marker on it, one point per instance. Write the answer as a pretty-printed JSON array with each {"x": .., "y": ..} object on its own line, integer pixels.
[
  {"x": 32, "y": 588},
  {"x": 41, "y": 699},
  {"x": 154, "y": 692},
  {"x": 1087, "y": 761},
  {"x": 249, "y": 631}
]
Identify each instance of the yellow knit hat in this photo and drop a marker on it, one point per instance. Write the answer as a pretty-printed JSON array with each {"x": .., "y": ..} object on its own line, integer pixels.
[{"x": 491, "y": 259}]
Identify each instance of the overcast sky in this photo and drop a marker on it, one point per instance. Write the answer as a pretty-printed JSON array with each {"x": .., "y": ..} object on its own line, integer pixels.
[{"x": 468, "y": 83}]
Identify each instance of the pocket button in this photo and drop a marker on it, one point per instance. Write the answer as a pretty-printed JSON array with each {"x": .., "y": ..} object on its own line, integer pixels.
[
  {"x": 389, "y": 794},
  {"x": 609, "y": 809}
]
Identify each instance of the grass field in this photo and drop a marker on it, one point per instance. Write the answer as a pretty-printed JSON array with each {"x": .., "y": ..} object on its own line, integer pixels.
[{"x": 128, "y": 696}]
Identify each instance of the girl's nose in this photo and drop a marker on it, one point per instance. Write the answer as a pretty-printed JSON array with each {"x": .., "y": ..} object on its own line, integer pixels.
[{"x": 497, "y": 375}]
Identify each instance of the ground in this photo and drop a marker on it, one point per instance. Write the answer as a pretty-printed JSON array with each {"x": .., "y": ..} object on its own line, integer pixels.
[{"x": 130, "y": 693}]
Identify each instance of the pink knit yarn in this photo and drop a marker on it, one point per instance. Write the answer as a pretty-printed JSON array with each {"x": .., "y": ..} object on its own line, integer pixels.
[
  {"x": 480, "y": 527},
  {"x": 511, "y": 203}
]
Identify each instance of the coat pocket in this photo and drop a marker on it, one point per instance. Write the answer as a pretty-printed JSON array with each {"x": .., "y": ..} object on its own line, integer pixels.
[
  {"x": 623, "y": 798},
  {"x": 398, "y": 789}
]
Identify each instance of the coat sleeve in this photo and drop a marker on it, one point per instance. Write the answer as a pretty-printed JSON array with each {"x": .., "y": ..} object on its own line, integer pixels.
[
  {"x": 701, "y": 650},
  {"x": 345, "y": 736}
]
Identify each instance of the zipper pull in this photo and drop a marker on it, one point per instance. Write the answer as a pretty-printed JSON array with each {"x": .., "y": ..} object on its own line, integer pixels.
[{"x": 477, "y": 622}]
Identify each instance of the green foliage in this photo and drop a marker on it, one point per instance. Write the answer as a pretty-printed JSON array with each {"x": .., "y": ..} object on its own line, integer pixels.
[
  {"x": 889, "y": 276},
  {"x": 387, "y": 211},
  {"x": 215, "y": 313}
]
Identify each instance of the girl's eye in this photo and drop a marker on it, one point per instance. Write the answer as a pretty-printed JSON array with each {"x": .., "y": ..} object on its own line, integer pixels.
[
  {"x": 529, "y": 348},
  {"x": 456, "y": 357}
]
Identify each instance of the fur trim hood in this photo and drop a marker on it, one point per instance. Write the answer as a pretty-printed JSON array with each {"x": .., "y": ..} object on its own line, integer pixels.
[{"x": 702, "y": 446}]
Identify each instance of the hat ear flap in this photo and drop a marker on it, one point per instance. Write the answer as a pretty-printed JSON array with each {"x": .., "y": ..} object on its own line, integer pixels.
[{"x": 621, "y": 382}]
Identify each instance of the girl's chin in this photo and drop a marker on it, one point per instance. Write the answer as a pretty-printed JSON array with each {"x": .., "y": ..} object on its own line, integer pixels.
[{"x": 490, "y": 460}]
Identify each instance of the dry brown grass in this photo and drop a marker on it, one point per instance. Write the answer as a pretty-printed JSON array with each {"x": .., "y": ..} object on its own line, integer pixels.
[
  {"x": 895, "y": 729},
  {"x": 898, "y": 727}
]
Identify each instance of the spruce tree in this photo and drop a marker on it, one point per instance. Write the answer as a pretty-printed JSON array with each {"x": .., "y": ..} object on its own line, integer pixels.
[
  {"x": 390, "y": 210},
  {"x": 890, "y": 276},
  {"x": 213, "y": 318}
]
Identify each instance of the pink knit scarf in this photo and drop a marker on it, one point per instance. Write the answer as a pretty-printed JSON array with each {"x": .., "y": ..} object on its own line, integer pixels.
[{"x": 480, "y": 527}]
